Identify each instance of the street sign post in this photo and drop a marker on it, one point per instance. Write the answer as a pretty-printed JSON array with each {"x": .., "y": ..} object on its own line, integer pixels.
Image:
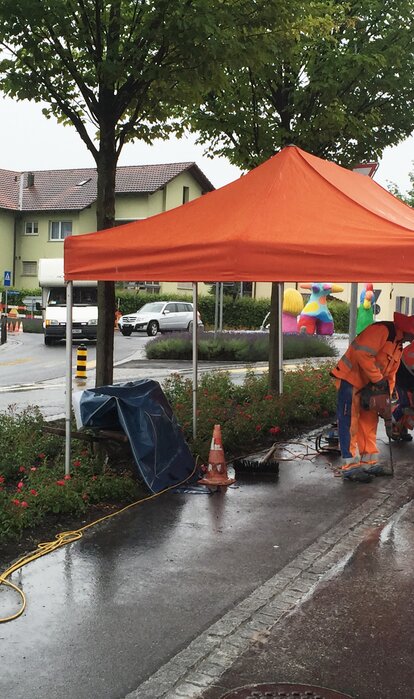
[{"x": 6, "y": 284}]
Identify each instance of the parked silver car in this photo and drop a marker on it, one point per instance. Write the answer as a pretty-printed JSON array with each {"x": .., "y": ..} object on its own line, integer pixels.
[{"x": 162, "y": 316}]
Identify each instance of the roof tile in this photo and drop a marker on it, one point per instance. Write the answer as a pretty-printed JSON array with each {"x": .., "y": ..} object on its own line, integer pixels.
[{"x": 67, "y": 190}]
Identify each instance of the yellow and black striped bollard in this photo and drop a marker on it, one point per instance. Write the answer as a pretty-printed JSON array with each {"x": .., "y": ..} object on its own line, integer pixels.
[{"x": 81, "y": 359}]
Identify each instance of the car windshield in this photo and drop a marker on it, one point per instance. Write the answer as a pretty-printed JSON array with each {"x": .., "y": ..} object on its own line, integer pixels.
[
  {"x": 152, "y": 308},
  {"x": 82, "y": 296}
]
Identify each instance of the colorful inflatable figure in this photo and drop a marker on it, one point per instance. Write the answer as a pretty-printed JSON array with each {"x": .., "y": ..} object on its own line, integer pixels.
[
  {"x": 316, "y": 317},
  {"x": 292, "y": 306},
  {"x": 365, "y": 313}
]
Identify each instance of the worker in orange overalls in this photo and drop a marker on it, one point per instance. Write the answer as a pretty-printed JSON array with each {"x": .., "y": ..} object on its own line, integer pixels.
[{"x": 372, "y": 359}]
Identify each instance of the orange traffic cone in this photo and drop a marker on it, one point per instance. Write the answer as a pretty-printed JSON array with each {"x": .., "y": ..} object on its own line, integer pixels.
[
  {"x": 20, "y": 328},
  {"x": 216, "y": 469}
]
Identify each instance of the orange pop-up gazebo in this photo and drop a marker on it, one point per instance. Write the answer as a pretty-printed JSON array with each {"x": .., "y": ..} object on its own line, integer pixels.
[{"x": 293, "y": 217}]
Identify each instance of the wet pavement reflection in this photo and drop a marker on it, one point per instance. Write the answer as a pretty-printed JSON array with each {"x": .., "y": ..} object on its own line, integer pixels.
[{"x": 356, "y": 633}]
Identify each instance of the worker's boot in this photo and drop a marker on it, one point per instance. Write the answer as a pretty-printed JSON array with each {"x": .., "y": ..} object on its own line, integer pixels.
[
  {"x": 400, "y": 434},
  {"x": 354, "y": 471},
  {"x": 371, "y": 466},
  {"x": 405, "y": 436}
]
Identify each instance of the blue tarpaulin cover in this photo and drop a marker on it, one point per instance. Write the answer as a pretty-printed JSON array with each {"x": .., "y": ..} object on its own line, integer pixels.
[{"x": 142, "y": 411}]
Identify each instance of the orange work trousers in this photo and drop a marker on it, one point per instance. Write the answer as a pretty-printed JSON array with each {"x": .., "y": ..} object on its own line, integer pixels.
[{"x": 357, "y": 428}]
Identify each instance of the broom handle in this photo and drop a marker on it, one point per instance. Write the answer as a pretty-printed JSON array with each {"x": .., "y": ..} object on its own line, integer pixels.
[{"x": 269, "y": 454}]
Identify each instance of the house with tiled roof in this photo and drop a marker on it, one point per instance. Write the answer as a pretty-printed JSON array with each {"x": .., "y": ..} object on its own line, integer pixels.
[{"x": 38, "y": 209}]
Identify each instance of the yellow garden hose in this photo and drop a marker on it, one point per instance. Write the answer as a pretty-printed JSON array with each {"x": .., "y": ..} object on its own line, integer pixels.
[{"x": 61, "y": 540}]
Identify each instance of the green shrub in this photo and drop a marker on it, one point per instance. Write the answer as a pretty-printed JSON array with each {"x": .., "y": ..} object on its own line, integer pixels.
[
  {"x": 340, "y": 314},
  {"x": 251, "y": 417},
  {"x": 236, "y": 347},
  {"x": 32, "y": 481}
]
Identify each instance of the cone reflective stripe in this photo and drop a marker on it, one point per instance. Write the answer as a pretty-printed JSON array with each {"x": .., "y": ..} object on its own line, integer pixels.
[
  {"x": 217, "y": 468},
  {"x": 81, "y": 358}
]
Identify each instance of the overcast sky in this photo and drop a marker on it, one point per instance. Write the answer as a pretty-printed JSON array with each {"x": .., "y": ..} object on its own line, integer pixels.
[{"x": 29, "y": 141}]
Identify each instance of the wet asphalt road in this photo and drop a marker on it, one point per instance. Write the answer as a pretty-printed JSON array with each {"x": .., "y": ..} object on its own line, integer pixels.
[{"x": 107, "y": 612}]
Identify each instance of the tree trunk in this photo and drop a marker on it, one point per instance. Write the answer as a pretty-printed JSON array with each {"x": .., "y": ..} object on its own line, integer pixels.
[
  {"x": 105, "y": 204},
  {"x": 275, "y": 369}
]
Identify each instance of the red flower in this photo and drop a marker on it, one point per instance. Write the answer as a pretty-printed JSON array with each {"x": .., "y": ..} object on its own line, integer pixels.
[
  {"x": 258, "y": 428},
  {"x": 16, "y": 502},
  {"x": 274, "y": 430},
  {"x": 33, "y": 491},
  {"x": 23, "y": 503},
  {"x": 76, "y": 463},
  {"x": 41, "y": 455},
  {"x": 22, "y": 469},
  {"x": 60, "y": 482},
  {"x": 93, "y": 478},
  {"x": 68, "y": 477},
  {"x": 33, "y": 468},
  {"x": 20, "y": 485},
  {"x": 268, "y": 397},
  {"x": 2, "y": 479}
]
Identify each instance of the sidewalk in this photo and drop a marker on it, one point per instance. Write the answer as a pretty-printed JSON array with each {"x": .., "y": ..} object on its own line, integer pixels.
[{"x": 352, "y": 633}]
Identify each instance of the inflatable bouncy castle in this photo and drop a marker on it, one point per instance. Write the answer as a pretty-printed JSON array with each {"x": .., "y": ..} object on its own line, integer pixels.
[
  {"x": 292, "y": 306},
  {"x": 365, "y": 313},
  {"x": 316, "y": 317}
]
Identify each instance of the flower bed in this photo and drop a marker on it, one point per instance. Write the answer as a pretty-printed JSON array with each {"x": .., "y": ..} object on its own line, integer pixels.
[{"x": 36, "y": 495}]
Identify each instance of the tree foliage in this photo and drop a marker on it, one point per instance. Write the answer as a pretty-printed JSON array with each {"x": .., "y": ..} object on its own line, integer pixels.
[
  {"x": 406, "y": 197},
  {"x": 338, "y": 83},
  {"x": 116, "y": 70}
]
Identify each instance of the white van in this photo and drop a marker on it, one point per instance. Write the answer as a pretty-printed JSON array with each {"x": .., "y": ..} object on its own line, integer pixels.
[{"x": 85, "y": 304}]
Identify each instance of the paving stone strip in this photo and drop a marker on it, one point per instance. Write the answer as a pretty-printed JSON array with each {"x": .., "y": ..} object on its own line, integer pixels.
[{"x": 200, "y": 665}]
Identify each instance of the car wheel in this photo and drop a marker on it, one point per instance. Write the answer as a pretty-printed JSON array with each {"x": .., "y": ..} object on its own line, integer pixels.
[
  {"x": 190, "y": 326},
  {"x": 125, "y": 332},
  {"x": 49, "y": 341},
  {"x": 152, "y": 328}
]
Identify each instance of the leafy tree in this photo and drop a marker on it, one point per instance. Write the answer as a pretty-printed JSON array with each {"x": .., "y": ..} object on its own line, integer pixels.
[
  {"x": 338, "y": 83},
  {"x": 406, "y": 197},
  {"x": 115, "y": 70}
]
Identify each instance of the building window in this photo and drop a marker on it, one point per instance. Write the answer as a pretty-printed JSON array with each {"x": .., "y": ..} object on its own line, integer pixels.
[
  {"x": 187, "y": 286},
  {"x": 29, "y": 269},
  {"x": 186, "y": 194},
  {"x": 59, "y": 230},
  {"x": 31, "y": 228},
  {"x": 149, "y": 287},
  {"x": 402, "y": 304}
]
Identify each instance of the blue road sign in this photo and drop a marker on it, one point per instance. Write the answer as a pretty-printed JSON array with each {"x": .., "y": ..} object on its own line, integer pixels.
[{"x": 7, "y": 279}]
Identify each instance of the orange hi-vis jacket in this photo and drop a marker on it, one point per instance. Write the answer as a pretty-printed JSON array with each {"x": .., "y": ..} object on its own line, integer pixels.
[
  {"x": 408, "y": 357},
  {"x": 372, "y": 356}
]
